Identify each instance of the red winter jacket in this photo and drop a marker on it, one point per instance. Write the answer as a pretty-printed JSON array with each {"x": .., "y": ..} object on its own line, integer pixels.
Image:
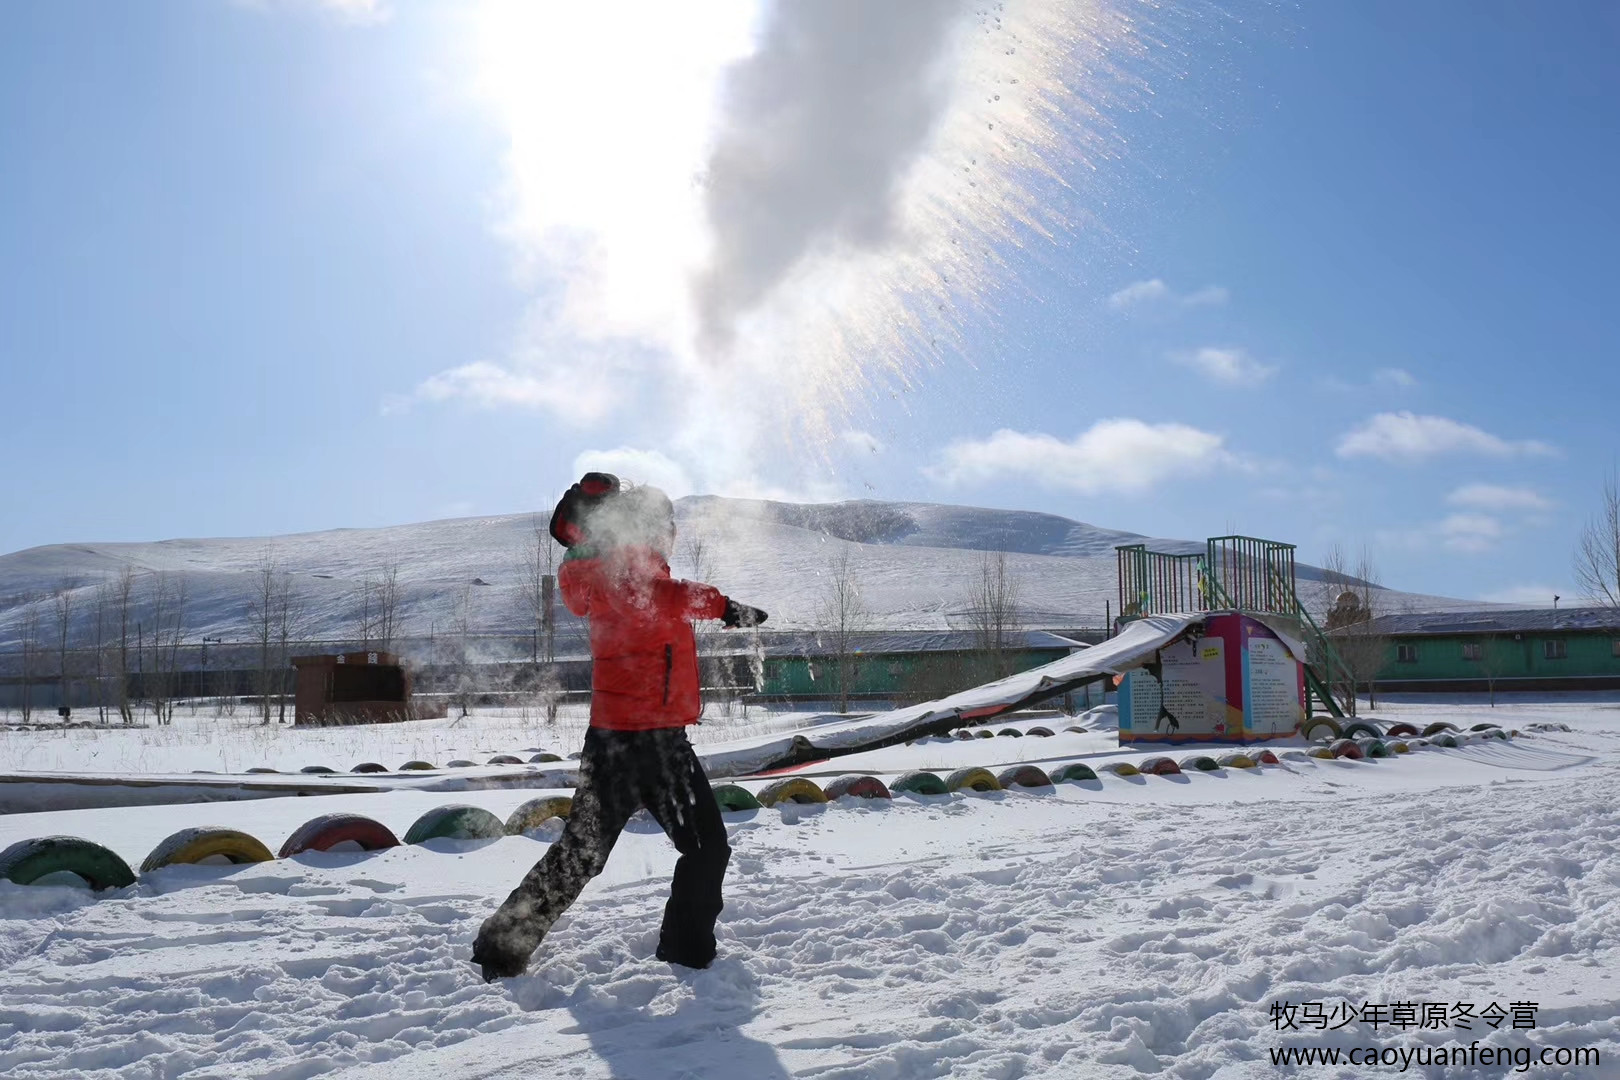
[{"x": 644, "y": 654}]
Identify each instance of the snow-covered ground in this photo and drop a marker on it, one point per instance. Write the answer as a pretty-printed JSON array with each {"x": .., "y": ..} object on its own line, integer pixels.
[{"x": 1114, "y": 928}]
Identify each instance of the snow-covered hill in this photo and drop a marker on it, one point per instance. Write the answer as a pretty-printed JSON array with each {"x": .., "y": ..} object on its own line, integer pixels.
[{"x": 915, "y": 562}]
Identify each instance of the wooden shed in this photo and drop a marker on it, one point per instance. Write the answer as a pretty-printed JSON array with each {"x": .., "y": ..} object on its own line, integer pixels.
[{"x": 352, "y": 688}]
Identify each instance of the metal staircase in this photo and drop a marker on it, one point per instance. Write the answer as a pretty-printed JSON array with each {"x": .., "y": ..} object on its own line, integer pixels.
[{"x": 1233, "y": 573}]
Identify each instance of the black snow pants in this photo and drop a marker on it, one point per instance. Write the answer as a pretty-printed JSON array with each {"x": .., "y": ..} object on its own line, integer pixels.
[{"x": 618, "y": 772}]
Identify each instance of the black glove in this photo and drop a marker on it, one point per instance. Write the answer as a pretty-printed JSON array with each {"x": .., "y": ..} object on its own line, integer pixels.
[{"x": 741, "y": 615}]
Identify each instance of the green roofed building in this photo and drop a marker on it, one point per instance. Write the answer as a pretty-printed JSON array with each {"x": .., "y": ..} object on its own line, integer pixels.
[{"x": 1488, "y": 650}]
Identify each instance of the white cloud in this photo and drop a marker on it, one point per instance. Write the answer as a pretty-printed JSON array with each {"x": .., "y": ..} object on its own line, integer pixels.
[
  {"x": 1139, "y": 292},
  {"x": 492, "y": 386},
  {"x": 1120, "y": 455},
  {"x": 640, "y": 466},
  {"x": 1404, "y": 436},
  {"x": 1464, "y": 532},
  {"x": 1155, "y": 290},
  {"x": 1498, "y": 498},
  {"x": 1234, "y": 366},
  {"x": 863, "y": 441},
  {"x": 1398, "y": 378},
  {"x": 1528, "y": 595},
  {"x": 1208, "y": 296},
  {"x": 352, "y": 11},
  {"x": 1469, "y": 532}
]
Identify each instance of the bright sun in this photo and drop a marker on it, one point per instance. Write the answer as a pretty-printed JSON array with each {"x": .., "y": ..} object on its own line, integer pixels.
[{"x": 609, "y": 108}]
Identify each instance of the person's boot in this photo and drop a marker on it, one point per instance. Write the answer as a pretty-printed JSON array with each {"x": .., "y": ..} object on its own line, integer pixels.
[{"x": 504, "y": 944}]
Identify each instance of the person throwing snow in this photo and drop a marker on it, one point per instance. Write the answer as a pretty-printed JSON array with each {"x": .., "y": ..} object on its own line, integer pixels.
[{"x": 644, "y": 692}]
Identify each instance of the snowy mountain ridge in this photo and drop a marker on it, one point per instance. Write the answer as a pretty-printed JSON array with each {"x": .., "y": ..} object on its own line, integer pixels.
[{"x": 914, "y": 562}]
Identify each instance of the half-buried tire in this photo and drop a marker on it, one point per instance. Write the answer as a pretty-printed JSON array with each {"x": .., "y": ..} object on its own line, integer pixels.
[
  {"x": 195, "y": 845},
  {"x": 318, "y": 770},
  {"x": 1078, "y": 770},
  {"x": 1023, "y": 776},
  {"x": 1158, "y": 766},
  {"x": 1437, "y": 728},
  {"x": 1267, "y": 757},
  {"x": 1199, "y": 763},
  {"x": 1346, "y": 748},
  {"x": 536, "y": 812},
  {"x": 1235, "y": 761},
  {"x": 417, "y": 766},
  {"x": 1373, "y": 748},
  {"x": 1040, "y": 732},
  {"x": 543, "y": 757},
  {"x": 1359, "y": 728},
  {"x": 329, "y": 830},
  {"x": 734, "y": 797},
  {"x": 506, "y": 759},
  {"x": 455, "y": 822},
  {"x": 972, "y": 778},
  {"x": 1321, "y": 727},
  {"x": 794, "y": 789},
  {"x": 861, "y": 787},
  {"x": 1011, "y": 733},
  {"x": 369, "y": 767},
  {"x": 1401, "y": 730},
  {"x": 26, "y": 861},
  {"x": 1122, "y": 768},
  {"x": 919, "y": 783}
]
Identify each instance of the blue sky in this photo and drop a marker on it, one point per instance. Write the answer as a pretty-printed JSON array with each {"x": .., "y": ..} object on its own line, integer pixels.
[{"x": 1328, "y": 273}]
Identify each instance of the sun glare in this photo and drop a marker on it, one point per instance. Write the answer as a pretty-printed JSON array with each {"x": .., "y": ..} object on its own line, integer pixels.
[{"x": 609, "y": 109}]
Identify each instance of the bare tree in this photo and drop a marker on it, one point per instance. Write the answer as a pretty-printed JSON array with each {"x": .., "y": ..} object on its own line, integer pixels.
[
  {"x": 843, "y": 613},
  {"x": 1491, "y": 664},
  {"x": 364, "y": 628},
  {"x": 537, "y": 580},
  {"x": 387, "y": 604},
  {"x": 62, "y": 607},
  {"x": 1352, "y": 626},
  {"x": 262, "y": 621},
  {"x": 30, "y": 653},
  {"x": 1597, "y": 556},
  {"x": 693, "y": 552},
  {"x": 123, "y": 599},
  {"x": 102, "y": 605},
  {"x": 461, "y": 622},
  {"x": 290, "y": 616},
  {"x": 993, "y": 600},
  {"x": 166, "y": 614}
]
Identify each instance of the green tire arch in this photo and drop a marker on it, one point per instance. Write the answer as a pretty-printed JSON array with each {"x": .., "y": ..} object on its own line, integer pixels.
[
  {"x": 26, "y": 861},
  {"x": 919, "y": 782},
  {"x": 458, "y": 821},
  {"x": 734, "y": 797}
]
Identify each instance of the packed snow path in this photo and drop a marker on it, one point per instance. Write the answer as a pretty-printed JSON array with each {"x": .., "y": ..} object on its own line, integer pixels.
[{"x": 1061, "y": 934}]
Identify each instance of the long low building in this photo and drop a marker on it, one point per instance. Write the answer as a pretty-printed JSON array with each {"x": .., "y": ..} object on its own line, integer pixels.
[{"x": 1526, "y": 649}]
